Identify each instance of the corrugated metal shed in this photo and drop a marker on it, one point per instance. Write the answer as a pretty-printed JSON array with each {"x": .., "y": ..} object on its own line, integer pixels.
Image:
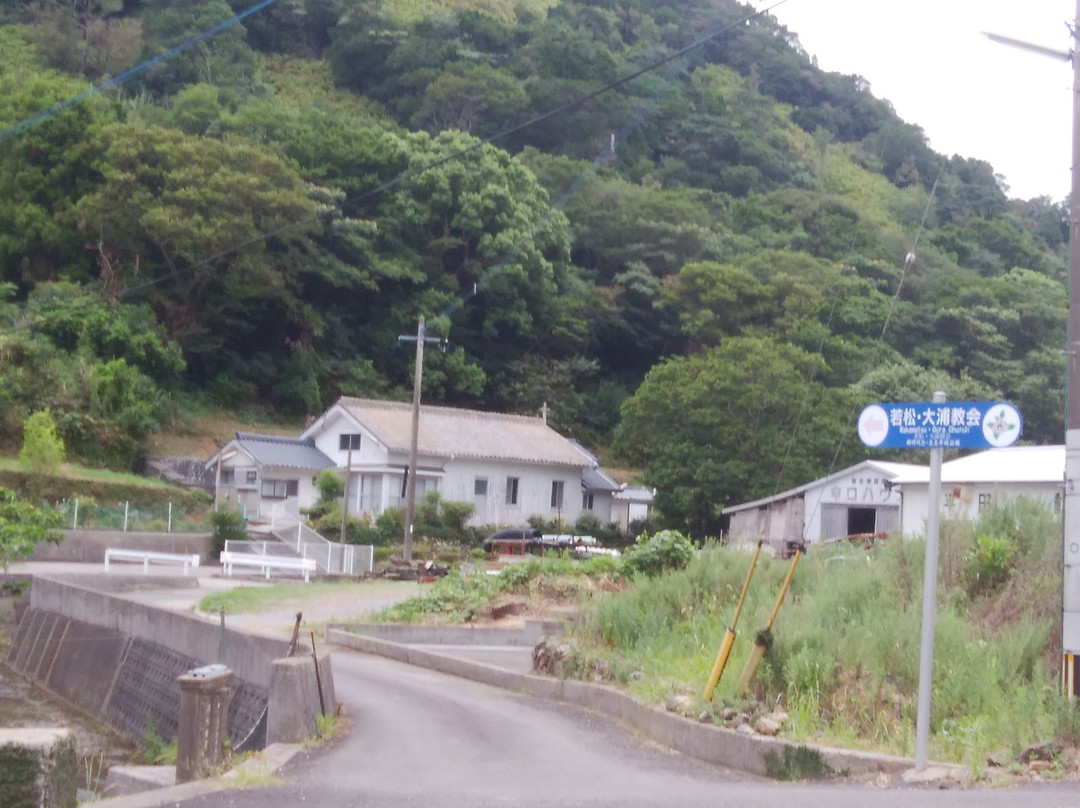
[
  {"x": 283, "y": 452},
  {"x": 451, "y": 432},
  {"x": 894, "y": 471}
]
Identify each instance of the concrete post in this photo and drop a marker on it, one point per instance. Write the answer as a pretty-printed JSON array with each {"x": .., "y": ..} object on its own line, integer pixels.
[{"x": 204, "y": 721}]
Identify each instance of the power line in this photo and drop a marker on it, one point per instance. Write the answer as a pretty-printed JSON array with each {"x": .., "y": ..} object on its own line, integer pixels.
[
  {"x": 455, "y": 155},
  {"x": 124, "y": 77}
]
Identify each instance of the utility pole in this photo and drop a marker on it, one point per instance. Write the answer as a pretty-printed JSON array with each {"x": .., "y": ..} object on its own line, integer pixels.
[
  {"x": 1070, "y": 600},
  {"x": 345, "y": 504},
  {"x": 410, "y": 479}
]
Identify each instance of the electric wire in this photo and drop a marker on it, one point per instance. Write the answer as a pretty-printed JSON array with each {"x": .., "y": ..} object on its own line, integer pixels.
[
  {"x": 123, "y": 78},
  {"x": 410, "y": 173}
]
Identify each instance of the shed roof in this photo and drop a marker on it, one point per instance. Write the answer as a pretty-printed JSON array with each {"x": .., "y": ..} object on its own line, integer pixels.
[
  {"x": 283, "y": 452},
  {"x": 894, "y": 471},
  {"x": 452, "y": 432}
]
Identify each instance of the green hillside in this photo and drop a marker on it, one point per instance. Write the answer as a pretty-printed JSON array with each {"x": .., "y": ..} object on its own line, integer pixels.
[{"x": 248, "y": 225}]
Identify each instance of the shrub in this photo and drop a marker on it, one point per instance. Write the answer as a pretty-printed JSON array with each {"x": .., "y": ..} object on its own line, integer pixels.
[
  {"x": 330, "y": 486},
  {"x": 226, "y": 525},
  {"x": 989, "y": 563},
  {"x": 654, "y": 555},
  {"x": 42, "y": 451}
]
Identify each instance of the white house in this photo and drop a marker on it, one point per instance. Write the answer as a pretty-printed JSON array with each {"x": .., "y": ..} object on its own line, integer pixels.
[
  {"x": 256, "y": 472},
  {"x": 970, "y": 483},
  {"x": 510, "y": 467},
  {"x": 880, "y": 497}
]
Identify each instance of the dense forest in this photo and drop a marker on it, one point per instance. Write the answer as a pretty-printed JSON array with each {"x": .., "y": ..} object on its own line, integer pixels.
[{"x": 705, "y": 259}]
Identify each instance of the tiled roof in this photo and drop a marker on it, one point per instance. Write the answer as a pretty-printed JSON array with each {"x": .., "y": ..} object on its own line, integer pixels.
[
  {"x": 284, "y": 452},
  {"x": 451, "y": 432}
]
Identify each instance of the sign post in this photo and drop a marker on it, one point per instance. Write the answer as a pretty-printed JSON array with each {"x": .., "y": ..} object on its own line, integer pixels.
[{"x": 936, "y": 425}]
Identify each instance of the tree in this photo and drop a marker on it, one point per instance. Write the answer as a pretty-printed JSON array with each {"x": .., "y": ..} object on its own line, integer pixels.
[
  {"x": 740, "y": 421},
  {"x": 42, "y": 450},
  {"x": 23, "y": 527}
]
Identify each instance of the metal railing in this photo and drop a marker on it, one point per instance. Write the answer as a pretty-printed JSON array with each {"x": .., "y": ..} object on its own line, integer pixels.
[{"x": 329, "y": 556}]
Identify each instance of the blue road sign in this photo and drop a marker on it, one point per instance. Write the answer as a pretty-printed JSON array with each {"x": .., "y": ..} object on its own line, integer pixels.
[{"x": 948, "y": 425}]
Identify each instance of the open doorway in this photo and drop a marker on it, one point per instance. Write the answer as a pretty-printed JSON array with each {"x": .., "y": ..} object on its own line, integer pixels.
[{"x": 861, "y": 520}]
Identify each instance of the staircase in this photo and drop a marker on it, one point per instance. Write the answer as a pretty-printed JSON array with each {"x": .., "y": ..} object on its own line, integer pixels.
[{"x": 330, "y": 557}]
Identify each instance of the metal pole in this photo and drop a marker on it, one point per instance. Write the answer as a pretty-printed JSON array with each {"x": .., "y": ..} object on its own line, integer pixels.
[
  {"x": 1070, "y": 606},
  {"x": 926, "y": 649},
  {"x": 410, "y": 483}
]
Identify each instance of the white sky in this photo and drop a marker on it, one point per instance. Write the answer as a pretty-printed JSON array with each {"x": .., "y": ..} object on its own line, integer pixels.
[{"x": 971, "y": 96}]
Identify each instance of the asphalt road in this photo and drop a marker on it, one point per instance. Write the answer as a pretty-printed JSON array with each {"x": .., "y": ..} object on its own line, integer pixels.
[{"x": 420, "y": 738}]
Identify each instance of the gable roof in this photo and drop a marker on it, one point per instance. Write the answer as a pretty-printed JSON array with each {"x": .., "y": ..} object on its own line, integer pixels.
[
  {"x": 894, "y": 471},
  {"x": 281, "y": 451},
  {"x": 451, "y": 432}
]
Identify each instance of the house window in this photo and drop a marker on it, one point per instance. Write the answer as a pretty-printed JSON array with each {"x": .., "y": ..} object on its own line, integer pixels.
[
  {"x": 228, "y": 477},
  {"x": 984, "y": 499},
  {"x": 480, "y": 487},
  {"x": 347, "y": 441},
  {"x": 556, "y": 493},
  {"x": 280, "y": 489},
  {"x": 1057, "y": 502},
  {"x": 252, "y": 477},
  {"x": 405, "y": 484},
  {"x": 511, "y": 490},
  {"x": 586, "y": 501}
]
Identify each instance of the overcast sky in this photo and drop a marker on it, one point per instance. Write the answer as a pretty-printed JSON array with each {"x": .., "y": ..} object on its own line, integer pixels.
[{"x": 971, "y": 96}]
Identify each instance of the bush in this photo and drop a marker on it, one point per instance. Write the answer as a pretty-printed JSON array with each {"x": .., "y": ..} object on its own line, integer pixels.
[
  {"x": 42, "y": 450},
  {"x": 654, "y": 555},
  {"x": 989, "y": 563},
  {"x": 226, "y": 525}
]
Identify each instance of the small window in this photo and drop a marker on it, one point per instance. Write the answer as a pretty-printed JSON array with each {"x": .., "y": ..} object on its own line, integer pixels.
[
  {"x": 1057, "y": 502},
  {"x": 280, "y": 489},
  {"x": 556, "y": 493},
  {"x": 228, "y": 477},
  {"x": 405, "y": 484},
  {"x": 511, "y": 490},
  {"x": 586, "y": 502},
  {"x": 480, "y": 487},
  {"x": 984, "y": 500},
  {"x": 252, "y": 477},
  {"x": 347, "y": 441}
]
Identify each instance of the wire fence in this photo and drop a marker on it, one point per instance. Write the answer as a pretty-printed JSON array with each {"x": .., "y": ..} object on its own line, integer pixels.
[{"x": 127, "y": 517}]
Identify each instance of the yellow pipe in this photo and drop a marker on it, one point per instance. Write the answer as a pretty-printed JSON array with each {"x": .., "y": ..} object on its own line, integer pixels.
[
  {"x": 784, "y": 588},
  {"x": 758, "y": 650},
  {"x": 720, "y": 664},
  {"x": 729, "y": 635}
]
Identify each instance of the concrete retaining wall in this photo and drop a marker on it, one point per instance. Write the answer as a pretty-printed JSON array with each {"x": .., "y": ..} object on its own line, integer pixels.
[
  {"x": 89, "y": 546},
  {"x": 750, "y": 753},
  {"x": 248, "y": 655},
  {"x": 121, "y": 659},
  {"x": 38, "y": 768}
]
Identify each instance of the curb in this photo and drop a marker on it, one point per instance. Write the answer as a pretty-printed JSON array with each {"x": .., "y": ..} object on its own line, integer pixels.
[
  {"x": 755, "y": 754},
  {"x": 267, "y": 763}
]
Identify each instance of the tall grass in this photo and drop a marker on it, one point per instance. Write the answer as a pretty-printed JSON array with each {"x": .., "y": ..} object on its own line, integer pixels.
[{"x": 845, "y": 657}]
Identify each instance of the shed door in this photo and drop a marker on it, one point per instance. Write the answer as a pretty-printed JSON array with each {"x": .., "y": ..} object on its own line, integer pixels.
[
  {"x": 888, "y": 519},
  {"x": 834, "y": 521}
]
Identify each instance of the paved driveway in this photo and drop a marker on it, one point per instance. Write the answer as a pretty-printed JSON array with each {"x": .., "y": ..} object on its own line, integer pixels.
[{"x": 420, "y": 738}]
